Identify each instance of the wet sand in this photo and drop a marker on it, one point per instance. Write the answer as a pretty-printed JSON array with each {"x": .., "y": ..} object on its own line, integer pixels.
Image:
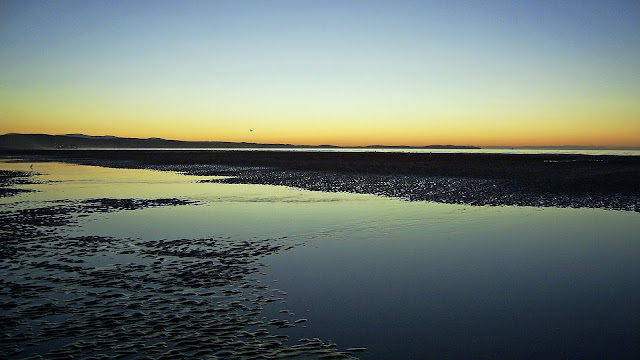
[
  {"x": 64, "y": 295},
  {"x": 608, "y": 182},
  {"x": 69, "y": 296},
  {"x": 8, "y": 179}
]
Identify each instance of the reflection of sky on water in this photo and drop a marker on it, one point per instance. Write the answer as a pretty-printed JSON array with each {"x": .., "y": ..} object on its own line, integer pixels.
[
  {"x": 406, "y": 280},
  {"x": 65, "y": 181},
  {"x": 509, "y": 282}
]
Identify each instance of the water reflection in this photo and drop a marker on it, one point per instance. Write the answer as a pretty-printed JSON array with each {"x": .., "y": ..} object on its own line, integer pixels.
[
  {"x": 520, "y": 283},
  {"x": 405, "y": 280}
]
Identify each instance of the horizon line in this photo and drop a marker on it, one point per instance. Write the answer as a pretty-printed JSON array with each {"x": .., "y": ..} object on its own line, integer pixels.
[{"x": 566, "y": 146}]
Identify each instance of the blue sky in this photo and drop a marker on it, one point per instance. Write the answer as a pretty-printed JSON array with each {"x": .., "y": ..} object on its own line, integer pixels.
[{"x": 408, "y": 70}]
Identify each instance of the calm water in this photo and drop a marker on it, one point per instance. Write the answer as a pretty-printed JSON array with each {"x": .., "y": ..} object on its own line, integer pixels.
[{"x": 404, "y": 279}]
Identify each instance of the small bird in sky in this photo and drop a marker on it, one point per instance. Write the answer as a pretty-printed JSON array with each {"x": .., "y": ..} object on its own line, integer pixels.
[
  {"x": 250, "y": 130},
  {"x": 31, "y": 167}
]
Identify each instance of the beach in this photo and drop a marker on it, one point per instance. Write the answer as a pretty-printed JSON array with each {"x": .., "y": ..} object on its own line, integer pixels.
[
  {"x": 66, "y": 292},
  {"x": 608, "y": 182},
  {"x": 258, "y": 180},
  {"x": 192, "y": 254}
]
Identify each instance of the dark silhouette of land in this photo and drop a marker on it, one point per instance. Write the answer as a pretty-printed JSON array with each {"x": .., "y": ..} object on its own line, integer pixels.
[
  {"x": 80, "y": 141},
  {"x": 611, "y": 182}
]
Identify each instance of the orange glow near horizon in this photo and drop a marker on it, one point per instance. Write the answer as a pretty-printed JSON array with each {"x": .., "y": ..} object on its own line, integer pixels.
[
  {"x": 622, "y": 137},
  {"x": 380, "y": 74},
  {"x": 414, "y": 125}
]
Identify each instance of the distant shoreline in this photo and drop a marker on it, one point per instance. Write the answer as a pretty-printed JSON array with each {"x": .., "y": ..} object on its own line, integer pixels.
[
  {"x": 555, "y": 180},
  {"x": 15, "y": 141}
]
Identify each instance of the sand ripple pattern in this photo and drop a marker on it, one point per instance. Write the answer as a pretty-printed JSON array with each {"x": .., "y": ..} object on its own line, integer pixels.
[
  {"x": 64, "y": 296},
  {"x": 9, "y": 178}
]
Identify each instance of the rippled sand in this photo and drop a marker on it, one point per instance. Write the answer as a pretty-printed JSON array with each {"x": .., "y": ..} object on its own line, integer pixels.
[{"x": 66, "y": 296}]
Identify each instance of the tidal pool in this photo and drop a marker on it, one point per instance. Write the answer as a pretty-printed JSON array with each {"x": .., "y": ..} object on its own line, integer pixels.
[{"x": 405, "y": 280}]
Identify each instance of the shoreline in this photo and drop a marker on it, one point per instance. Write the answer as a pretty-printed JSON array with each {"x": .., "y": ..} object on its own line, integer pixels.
[
  {"x": 67, "y": 294},
  {"x": 548, "y": 180},
  {"x": 207, "y": 293}
]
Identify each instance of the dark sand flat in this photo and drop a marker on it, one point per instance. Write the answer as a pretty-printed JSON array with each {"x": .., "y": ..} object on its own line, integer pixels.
[{"x": 610, "y": 182}]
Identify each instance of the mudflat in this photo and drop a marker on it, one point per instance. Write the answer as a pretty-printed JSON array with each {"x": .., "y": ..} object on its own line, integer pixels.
[
  {"x": 98, "y": 273},
  {"x": 10, "y": 178},
  {"x": 69, "y": 293},
  {"x": 611, "y": 182}
]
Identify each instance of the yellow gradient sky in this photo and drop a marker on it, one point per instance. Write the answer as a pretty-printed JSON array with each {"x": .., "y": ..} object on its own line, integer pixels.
[{"x": 325, "y": 72}]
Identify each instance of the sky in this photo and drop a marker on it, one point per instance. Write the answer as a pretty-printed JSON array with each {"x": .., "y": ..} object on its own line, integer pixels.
[{"x": 348, "y": 72}]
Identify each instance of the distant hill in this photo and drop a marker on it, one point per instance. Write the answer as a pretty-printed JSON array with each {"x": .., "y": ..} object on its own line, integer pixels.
[{"x": 80, "y": 141}]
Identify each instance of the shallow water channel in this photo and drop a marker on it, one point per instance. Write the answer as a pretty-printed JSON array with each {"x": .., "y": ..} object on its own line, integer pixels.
[{"x": 405, "y": 280}]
